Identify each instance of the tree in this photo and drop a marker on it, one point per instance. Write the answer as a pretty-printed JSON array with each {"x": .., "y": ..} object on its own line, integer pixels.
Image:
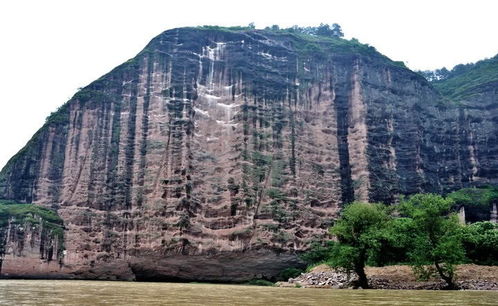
[
  {"x": 394, "y": 243},
  {"x": 359, "y": 231},
  {"x": 323, "y": 30},
  {"x": 327, "y": 31},
  {"x": 436, "y": 235},
  {"x": 337, "y": 30}
]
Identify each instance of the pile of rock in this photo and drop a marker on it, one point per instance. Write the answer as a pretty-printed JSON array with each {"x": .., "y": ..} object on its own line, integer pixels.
[
  {"x": 477, "y": 284},
  {"x": 321, "y": 279},
  {"x": 469, "y": 277}
]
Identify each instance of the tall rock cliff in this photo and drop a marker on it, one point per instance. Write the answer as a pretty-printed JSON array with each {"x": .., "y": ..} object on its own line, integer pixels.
[{"x": 218, "y": 154}]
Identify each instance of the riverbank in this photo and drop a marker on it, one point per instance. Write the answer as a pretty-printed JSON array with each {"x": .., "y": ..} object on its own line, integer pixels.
[{"x": 469, "y": 277}]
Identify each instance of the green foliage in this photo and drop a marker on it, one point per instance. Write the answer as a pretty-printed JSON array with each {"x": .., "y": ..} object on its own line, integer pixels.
[
  {"x": 435, "y": 75},
  {"x": 394, "y": 244},
  {"x": 26, "y": 212},
  {"x": 276, "y": 194},
  {"x": 323, "y": 30},
  {"x": 477, "y": 202},
  {"x": 318, "y": 252},
  {"x": 435, "y": 234},
  {"x": 59, "y": 117},
  {"x": 314, "y": 42},
  {"x": 359, "y": 230},
  {"x": 480, "y": 240},
  {"x": 462, "y": 80},
  {"x": 277, "y": 173},
  {"x": 33, "y": 214},
  {"x": 477, "y": 197},
  {"x": 289, "y": 273},
  {"x": 260, "y": 159},
  {"x": 91, "y": 97},
  {"x": 425, "y": 234}
]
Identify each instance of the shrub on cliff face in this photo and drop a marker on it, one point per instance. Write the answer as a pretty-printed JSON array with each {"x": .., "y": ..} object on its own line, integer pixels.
[
  {"x": 436, "y": 236},
  {"x": 359, "y": 231}
]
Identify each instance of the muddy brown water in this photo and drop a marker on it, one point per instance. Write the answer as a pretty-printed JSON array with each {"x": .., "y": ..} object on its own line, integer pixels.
[{"x": 67, "y": 292}]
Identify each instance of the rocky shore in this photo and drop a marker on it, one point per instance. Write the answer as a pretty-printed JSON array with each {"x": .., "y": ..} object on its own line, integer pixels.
[{"x": 469, "y": 277}]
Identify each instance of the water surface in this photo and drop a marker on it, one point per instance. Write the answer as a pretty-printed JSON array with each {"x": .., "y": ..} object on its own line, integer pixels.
[{"x": 67, "y": 292}]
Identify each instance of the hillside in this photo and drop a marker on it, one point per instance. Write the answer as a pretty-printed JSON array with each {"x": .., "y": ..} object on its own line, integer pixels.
[{"x": 467, "y": 80}]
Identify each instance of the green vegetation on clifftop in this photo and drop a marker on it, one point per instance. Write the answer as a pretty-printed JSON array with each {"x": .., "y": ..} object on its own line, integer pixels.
[
  {"x": 464, "y": 80},
  {"x": 31, "y": 213}
]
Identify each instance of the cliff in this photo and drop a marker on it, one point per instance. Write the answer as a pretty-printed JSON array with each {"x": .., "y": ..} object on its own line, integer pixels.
[
  {"x": 219, "y": 154},
  {"x": 31, "y": 240}
]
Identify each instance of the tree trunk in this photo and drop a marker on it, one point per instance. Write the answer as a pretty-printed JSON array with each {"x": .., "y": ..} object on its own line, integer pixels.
[
  {"x": 359, "y": 268},
  {"x": 362, "y": 277},
  {"x": 447, "y": 278}
]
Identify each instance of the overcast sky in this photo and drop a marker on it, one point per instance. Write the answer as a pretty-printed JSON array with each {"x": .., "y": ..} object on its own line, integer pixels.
[{"x": 51, "y": 48}]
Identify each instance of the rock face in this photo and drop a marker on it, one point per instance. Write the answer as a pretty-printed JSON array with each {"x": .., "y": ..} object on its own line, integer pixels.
[
  {"x": 31, "y": 241},
  {"x": 218, "y": 154}
]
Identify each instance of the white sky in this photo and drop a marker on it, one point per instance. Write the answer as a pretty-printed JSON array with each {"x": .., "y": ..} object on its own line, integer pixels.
[{"x": 50, "y": 48}]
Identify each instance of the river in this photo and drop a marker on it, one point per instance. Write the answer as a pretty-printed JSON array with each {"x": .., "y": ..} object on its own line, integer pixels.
[{"x": 67, "y": 292}]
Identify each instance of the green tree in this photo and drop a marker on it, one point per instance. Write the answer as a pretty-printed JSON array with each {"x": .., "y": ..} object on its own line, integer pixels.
[
  {"x": 480, "y": 241},
  {"x": 337, "y": 30},
  {"x": 359, "y": 231},
  {"x": 323, "y": 30},
  {"x": 436, "y": 235},
  {"x": 394, "y": 244}
]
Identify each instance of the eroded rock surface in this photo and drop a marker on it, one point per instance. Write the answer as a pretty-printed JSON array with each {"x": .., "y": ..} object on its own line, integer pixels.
[{"x": 217, "y": 155}]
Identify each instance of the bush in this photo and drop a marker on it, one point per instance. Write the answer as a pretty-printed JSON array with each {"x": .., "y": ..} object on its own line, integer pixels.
[
  {"x": 289, "y": 273},
  {"x": 480, "y": 241},
  {"x": 477, "y": 202},
  {"x": 318, "y": 252}
]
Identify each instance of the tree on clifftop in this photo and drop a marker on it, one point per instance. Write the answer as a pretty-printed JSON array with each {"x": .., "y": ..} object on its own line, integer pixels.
[
  {"x": 359, "y": 231},
  {"x": 337, "y": 30},
  {"x": 326, "y": 30}
]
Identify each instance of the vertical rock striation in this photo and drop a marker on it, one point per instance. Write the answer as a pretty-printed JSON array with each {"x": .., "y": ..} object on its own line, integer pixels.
[{"x": 219, "y": 154}]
